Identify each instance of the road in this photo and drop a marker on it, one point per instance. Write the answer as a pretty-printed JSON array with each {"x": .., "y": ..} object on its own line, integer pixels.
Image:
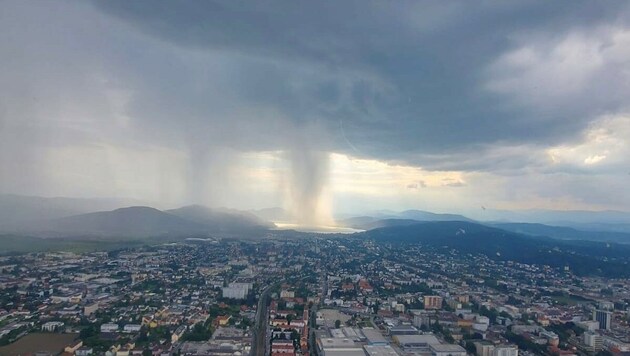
[
  {"x": 260, "y": 346},
  {"x": 313, "y": 314}
]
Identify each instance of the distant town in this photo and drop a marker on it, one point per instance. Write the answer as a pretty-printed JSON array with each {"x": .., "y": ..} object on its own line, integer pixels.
[{"x": 313, "y": 295}]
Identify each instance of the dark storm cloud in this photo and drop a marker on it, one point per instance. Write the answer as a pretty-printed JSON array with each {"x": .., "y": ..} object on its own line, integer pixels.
[
  {"x": 395, "y": 81},
  {"x": 160, "y": 98}
]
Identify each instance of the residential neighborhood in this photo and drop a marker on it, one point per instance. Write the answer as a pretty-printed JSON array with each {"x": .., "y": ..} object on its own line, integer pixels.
[{"x": 323, "y": 295}]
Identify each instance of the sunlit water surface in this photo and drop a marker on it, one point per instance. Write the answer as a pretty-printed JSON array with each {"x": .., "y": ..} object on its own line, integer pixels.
[{"x": 281, "y": 225}]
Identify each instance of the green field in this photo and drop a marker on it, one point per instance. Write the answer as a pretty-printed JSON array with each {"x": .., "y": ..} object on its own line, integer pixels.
[
  {"x": 22, "y": 244},
  {"x": 570, "y": 300}
]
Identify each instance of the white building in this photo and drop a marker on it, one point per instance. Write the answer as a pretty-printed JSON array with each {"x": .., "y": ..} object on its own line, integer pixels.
[
  {"x": 237, "y": 290},
  {"x": 234, "y": 293},
  {"x": 247, "y": 286},
  {"x": 335, "y": 347},
  {"x": 132, "y": 328},
  {"x": 589, "y": 325},
  {"x": 593, "y": 341},
  {"x": 481, "y": 323},
  {"x": 83, "y": 351},
  {"x": 484, "y": 348},
  {"x": 109, "y": 328},
  {"x": 52, "y": 326},
  {"x": 505, "y": 350},
  {"x": 447, "y": 350},
  {"x": 287, "y": 294},
  {"x": 606, "y": 305},
  {"x": 380, "y": 350}
]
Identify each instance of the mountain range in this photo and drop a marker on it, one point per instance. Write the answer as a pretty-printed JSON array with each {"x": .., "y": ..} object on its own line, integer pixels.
[
  {"x": 41, "y": 221},
  {"x": 386, "y": 218},
  {"x": 583, "y": 257},
  {"x": 63, "y": 217},
  {"x": 19, "y": 209},
  {"x": 70, "y": 217},
  {"x": 565, "y": 233}
]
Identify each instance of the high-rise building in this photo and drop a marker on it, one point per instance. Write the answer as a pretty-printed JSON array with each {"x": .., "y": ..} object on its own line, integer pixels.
[
  {"x": 505, "y": 350},
  {"x": 593, "y": 341},
  {"x": 606, "y": 305},
  {"x": 432, "y": 302},
  {"x": 603, "y": 317},
  {"x": 484, "y": 348},
  {"x": 236, "y": 290}
]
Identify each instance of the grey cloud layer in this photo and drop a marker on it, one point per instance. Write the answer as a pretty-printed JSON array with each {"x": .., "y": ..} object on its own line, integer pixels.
[
  {"x": 485, "y": 86},
  {"x": 407, "y": 79}
]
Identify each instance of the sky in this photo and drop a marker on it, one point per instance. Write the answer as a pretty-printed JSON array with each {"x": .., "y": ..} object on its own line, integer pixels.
[{"x": 322, "y": 107}]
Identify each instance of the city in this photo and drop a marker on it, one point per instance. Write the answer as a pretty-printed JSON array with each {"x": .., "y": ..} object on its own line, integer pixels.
[
  {"x": 314, "y": 178},
  {"x": 321, "y": 295}
]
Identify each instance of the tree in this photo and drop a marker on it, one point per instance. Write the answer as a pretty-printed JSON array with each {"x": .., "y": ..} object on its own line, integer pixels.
[
  {"x": 142, "y": 337},
  {"x": 289, "y": 318},
  {"x": 337, "y": 323},
  {"x": 604, "y": 353},
  {"x": 295, "y": 336},
  {"x": 198, "y": 333},
  {"x": 470, "y": 347},
  {"x": 376, "y": 306},
  {"x": 87, "y": 332},
  {"x": 448, "y": 337}
]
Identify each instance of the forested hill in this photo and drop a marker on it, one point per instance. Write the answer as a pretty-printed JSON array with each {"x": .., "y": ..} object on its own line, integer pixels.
[{"x": 583, "y": 257}]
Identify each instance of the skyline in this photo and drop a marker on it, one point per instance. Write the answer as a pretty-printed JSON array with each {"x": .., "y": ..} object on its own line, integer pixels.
[{"x": 442, "y": 107}]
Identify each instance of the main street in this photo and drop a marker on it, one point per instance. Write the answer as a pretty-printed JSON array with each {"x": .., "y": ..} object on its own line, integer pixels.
[{"x": 260, "y": 346}]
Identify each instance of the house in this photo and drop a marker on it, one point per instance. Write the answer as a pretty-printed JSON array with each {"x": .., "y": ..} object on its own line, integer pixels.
[
  {"x": 83, "y": 351},
  {"x": 132, "y": 328},
  {"x": 178, "y": 333},
  {"x": 52, "y": 326},
  {"x": 72, "y": 348},
  {"x": 109, "y": 328},
  {"x": 222, "y": 320},
  {"x": 282, "y": 349}
]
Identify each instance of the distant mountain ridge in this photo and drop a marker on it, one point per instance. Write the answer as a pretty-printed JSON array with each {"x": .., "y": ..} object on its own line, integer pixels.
[
  {"x": 128, "y": 222},
  {"x": 58, "y": 217},
  {"x": 564, "y": 233},
  {"x": 559, "y": 217},
  {"x": 583, "y": 257},
  {"x": 391, "y": 218},
  {"x": 414, "y": 214},
  {"x": 429, "y": 216},
  {"x": 272, "y": 214},
  {"x": 370, "y": 223},
  {"x": 137, "y": 221},
  {"x": 18, "y": 209},
  {"x": 225, "y": 220}
]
